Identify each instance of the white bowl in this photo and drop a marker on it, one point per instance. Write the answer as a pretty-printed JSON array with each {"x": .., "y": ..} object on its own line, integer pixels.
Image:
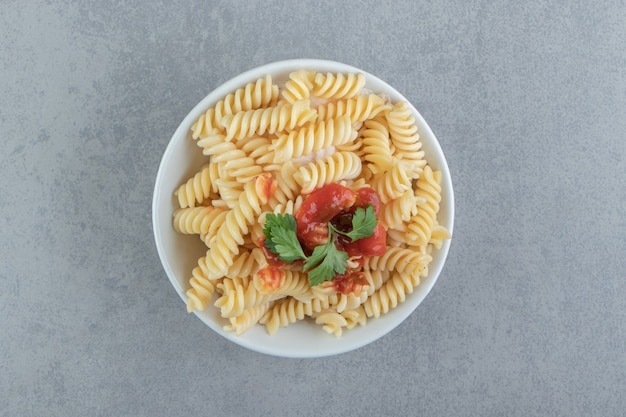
[{"x": 179, "y": 253}]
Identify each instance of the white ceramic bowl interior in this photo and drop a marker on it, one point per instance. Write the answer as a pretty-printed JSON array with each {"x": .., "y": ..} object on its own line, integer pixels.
[{"x": 180, "y": 253}]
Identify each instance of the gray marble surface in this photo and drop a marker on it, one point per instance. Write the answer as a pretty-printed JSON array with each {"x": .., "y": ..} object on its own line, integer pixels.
[{"x": 528, "y": 100}]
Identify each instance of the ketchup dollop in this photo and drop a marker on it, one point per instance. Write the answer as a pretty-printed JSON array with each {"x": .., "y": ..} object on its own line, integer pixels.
[
  {"x": 320, "y": 207},
  {"x": 337, "y": 204}
]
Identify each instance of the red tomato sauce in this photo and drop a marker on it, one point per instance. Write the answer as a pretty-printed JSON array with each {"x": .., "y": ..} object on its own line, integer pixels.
[
  {"x": 337, "y": 204},
  {"x": 271, "y": 257},
  {"x": 318, "y": 209},
  {"x": 352, "y": 283},
  {"x": 272, "y": 278}
]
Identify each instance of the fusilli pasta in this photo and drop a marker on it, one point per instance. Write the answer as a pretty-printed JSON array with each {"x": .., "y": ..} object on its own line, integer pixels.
[
  {"x": 271, "y": 120},
  {"x": 262, "y": 93},
  {"x": 268, "y": 146},
  {"x": 334, "y": 168},
  {"x": 196, "y": 189},
  {"x": 313, "y": 138},
  {"x": 335, "y": 86}
]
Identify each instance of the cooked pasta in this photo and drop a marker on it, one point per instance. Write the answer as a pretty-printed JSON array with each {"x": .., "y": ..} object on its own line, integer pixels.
[
  {"x": 245, "y": 264},
  {"x": 259, "y": 94},
  {"x": 359, "y": 108},
  {"x": 438, "y": 235},
  {"x": 268, "y": 147},
  {"x": 334, "y": 168},
  {"x": 202, "y": 288},
  {"x": 238, "y": 165},
  {"x": 239, "y": 294},
  {"x": 289, "y": 310},
  {"x": 393, "y": 183},
  {"x": 299, "y": 86},
  {"x": 313, "y": 138},
  {"x": 392, "y": 293},
  {"x": 331, "y": 321},
  {"x": 340, "y": 302},
  {"x": 279, "y": 282},
  {"x": 196, "y": 220},
  {"x": 376, "y": 146},
  {"x": 230, "y": 235},
  {"x": 271, "y": 120},
  {"x": 404, "y": 135},
  {"x": 400, "y": 209},
  {"x": 196, "y": 189},
  {"x": 403, "y": 260},
  {"x": 337, "y": 86},
  {"x": 248, "y": 318},
  {"x": 375, "y": 279},
  {"x": 421, "y": 225}
]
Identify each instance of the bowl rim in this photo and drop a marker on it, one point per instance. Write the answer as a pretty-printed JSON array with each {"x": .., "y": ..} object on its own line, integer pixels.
[{"x": 284, "y": 67}]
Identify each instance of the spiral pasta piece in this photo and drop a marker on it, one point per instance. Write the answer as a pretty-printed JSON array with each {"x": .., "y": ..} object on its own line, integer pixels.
[
  {"x": 438, "y": 235},
  {"x": 196, "y": 189},
  {"x": 428, "y": 188},
  {"x": 283, "y": 283},
  {"x": 271, "y": 120},
  {"x": 399, "y": 210},
  {"x": 201, "y": 291},
  {"x": 262, "y": 93},
  {"x": 215, "y": 144},
  {"x": 393, "y": 183},
  {"x": 331, "y": 321},
  {"x": 205, "y": 125},
  {"x": 286, "y": 181},
  {"x": 289, "y": 310},
  {"x": 376, "y": 146},
  {"x": 289, "y": 207},
  {"x": 284, "y": 196},
  {"x": 351, "y": 301},
  {"x": 340, "y": 301},
  {"x": 243, "y": 169},
  {"x": 359, "y": 108},
  {"x": 396, "y": 238},
  {"x": 253, "y": 146},
  {"x": 336, "y": 86},
  {"x": 354, "y": 145},
  {"x": 339, "y": 166},
  {"x": 404, "y": 135},
  {"x": 224, "y": 181},
  {"x": 313, "y": 138},
  {"x": 230, "y": 234},
  {"x": 245, "y": 264},
  {"x": 375, "y": 280},
  {"x": 238, "y": 165},
  {"x": 402, "y": 260},
  {"x": 247, "y": 319},
  {"x": 197, "y": 220},
  {"x": 239, "y": 294},
  {"x": 392, "y": 293},
  {"x": 259, "y": 149},
  {"x": 299, "y": 86},
  {"x": 355, "y": 317},
  {"x": 229, "y": 191}
]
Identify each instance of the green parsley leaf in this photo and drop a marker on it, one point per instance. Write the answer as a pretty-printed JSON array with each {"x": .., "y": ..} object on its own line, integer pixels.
[
  {"x": 326, "y": 261},
  {"x": 363, "y": 223},
  {"x": 281, "y": 238},
  {"x": 334, "y": 262},
  {"x": 316, "y": 257}
]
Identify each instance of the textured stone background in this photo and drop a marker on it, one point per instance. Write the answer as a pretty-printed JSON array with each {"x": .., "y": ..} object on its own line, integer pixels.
[{"x": 528, "y": 100}]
